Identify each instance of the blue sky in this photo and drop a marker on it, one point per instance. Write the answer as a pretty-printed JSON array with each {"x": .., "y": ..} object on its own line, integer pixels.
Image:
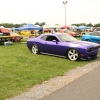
[{"x": 49, "y": 11}]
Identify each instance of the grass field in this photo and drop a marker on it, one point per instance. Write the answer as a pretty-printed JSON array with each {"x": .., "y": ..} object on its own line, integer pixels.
[{"x": 20, "y": 69}]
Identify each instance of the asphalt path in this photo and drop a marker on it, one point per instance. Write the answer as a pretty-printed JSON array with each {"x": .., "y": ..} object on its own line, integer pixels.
[{"x": 86, "y": 87}]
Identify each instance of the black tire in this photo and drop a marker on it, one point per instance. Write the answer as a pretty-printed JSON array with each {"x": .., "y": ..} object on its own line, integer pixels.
[
  {"x": 73, "y": 54},
  {"x": 35, "y": 49},
  {"x": 87, "y": 40}
]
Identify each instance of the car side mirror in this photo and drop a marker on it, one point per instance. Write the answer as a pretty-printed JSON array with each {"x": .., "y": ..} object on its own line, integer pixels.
[{"x": 55, "y": 41}]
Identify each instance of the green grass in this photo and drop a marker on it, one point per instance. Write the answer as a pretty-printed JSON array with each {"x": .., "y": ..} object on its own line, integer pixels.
[
  {"x": 78, "y": 38},
  {"x": 20, "y": 69}
]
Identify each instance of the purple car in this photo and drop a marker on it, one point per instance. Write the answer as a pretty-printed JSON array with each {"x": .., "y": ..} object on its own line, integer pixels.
[{"x": 62, "y": 44}]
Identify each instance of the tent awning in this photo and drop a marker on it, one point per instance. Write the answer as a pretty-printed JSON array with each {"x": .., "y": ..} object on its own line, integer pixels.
[
  {"x": 4, "y": 30},
  {"x": 64, "y": 27},
  {"x": 82, "y": 27},
  {"x": 29, "y": 27}
]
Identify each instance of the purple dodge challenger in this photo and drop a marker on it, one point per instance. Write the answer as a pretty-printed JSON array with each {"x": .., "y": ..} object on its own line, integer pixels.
[{"x": 62, "y": 44}]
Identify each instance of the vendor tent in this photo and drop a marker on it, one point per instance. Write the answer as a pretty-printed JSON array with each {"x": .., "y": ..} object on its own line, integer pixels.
[
  {"x": 82, "y": 27},
  {"x": 4, "y": 30},
  {"x": 51, "y": 26},
  {"x": 64, "y": 27},
  {"x": 29, "y": 27}
]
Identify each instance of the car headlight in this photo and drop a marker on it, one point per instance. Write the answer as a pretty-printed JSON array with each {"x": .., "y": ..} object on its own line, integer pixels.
[
  {"x": 89, "y": 49},
  {"x": 93, "y": 48}
]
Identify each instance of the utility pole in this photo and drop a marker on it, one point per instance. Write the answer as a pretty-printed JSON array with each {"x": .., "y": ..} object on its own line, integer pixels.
[{"x": 65, "y": 10}]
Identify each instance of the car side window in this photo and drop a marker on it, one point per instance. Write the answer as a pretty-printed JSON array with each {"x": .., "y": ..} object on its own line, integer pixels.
[
  {"x": 51, "y": 38},
  {"x": 96, "y": 34},
  {"x": 44, "y": 37}
]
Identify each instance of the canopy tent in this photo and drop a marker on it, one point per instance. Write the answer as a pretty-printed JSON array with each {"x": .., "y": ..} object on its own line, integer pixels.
[
  {"x": 64, "y": 27},
  {"x": 82, "y": 27},
  {"x": 51, "y": 26},
  {"x": 4, "y": 30},
  {"x": 29, "y": 27}
]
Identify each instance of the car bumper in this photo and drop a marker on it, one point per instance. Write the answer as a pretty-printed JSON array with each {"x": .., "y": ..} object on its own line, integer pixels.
[{"x": 90, "y": 55}]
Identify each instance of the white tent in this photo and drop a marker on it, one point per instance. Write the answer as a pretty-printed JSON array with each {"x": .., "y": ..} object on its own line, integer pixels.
[
  {"x": 51, "y": 26},
  {"x": 2, "y": 27}
]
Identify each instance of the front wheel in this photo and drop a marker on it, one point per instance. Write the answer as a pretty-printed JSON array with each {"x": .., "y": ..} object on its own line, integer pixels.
[
  {"x": 35, "y": 49},
  {"x": 73, "y": 55}
]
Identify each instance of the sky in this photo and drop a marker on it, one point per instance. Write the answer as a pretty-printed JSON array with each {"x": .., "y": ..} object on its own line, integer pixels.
[{"x": 50, "y": 11}]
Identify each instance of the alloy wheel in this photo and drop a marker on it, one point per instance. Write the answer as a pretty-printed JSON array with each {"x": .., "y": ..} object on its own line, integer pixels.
[
  {"x": 35, "y": 49},
  {"x": 73, "y": 54}
]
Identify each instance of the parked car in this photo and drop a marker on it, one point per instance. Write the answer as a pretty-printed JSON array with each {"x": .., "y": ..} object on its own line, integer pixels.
[
  {"x": 7, "y": 35},
  {"x": 63, "y": 45},
  {"x": 24, "y": 33},
  {"x": 72, "y": 33},
  {"x": 16, "y": 37},
  {"x": 69, "y": 32},
  {"x": 92, "y": 37},
  {"x": 46, "y": 30}
]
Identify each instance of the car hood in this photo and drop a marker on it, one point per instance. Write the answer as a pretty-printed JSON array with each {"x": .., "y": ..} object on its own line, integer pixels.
[{"x": 85, "y": 44}]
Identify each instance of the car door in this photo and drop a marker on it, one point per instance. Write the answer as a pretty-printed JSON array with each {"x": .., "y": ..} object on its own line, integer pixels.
[{"x": 51, "y": 45}]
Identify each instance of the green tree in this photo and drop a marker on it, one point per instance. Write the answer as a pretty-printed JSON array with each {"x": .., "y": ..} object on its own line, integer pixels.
[
  {"x": 97, "y": 25},
  {"x": 42, "y": 24},
  {"x": 90, "y": 25},
  {"x": 37, "y": 23}
]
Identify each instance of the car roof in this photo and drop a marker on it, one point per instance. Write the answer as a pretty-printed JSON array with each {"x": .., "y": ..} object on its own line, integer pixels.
[{"x": 54, "y": 34}]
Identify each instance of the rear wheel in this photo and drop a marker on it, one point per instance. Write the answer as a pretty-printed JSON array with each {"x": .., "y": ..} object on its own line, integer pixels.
[
  {"x": 35, "y": 49},
  {"x": 73, "y": 54}
]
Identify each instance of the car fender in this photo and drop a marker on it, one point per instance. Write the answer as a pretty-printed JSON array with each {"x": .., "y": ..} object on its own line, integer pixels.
[{"x": 72, "y": 48}]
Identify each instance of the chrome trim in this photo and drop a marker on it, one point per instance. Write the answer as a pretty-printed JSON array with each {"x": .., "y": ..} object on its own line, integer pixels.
[{"x": 52, "y": 54}]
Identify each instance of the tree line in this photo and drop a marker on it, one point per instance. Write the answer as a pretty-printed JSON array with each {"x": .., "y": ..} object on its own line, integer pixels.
[
  {"x": 11, "y": 25},
  {"x": 89, "y": 25}
]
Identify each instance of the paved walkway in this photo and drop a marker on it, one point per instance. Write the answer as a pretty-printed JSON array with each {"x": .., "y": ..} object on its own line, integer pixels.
[
  {"x": 78, "y": 84},
  {"x": 86, "y": 87}
]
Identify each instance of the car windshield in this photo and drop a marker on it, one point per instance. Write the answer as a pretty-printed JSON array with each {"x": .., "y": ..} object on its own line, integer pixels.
[{"x": 66, "y": 38}]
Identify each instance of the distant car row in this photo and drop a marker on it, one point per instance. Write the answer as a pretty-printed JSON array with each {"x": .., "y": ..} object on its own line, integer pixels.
[
  {"x": 61, "y": 31},
  {"x": 6, "y": 34}
]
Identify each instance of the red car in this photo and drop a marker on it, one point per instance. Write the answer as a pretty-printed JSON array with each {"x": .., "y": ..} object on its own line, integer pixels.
[
  {"x": 16, "y": 37},
  {"x": 47, "y": 30},
  {"x": 6, "y": 34},
  {"x": 69, "y": 32}
]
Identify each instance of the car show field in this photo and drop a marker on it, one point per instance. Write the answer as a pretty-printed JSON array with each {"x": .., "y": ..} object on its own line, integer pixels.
[{"x": 20, "y": 69}]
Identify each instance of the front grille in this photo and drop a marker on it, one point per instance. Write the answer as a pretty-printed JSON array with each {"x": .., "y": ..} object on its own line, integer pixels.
[
  {"x": 93, "y": 48},
  {"x": 92, "y": 56}
]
